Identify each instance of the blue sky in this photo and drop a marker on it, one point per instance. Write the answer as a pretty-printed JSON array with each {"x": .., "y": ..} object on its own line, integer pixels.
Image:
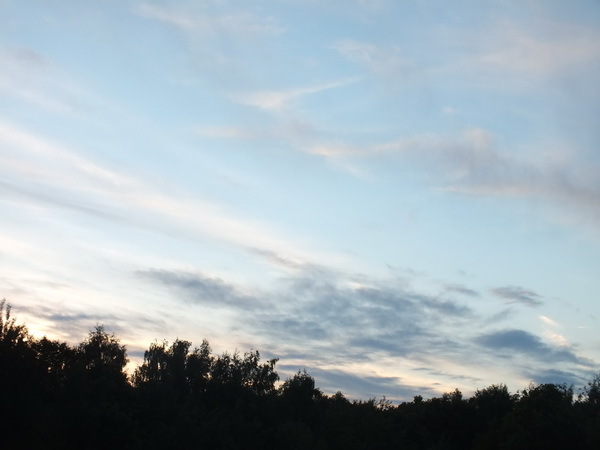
[{"x": 401, "y": 197}]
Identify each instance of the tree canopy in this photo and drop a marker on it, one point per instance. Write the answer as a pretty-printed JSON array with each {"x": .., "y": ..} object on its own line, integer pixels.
[{"x": 56, "y": 395}]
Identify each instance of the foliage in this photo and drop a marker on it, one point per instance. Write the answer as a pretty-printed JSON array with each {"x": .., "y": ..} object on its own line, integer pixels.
[
  {"x": 103, "y": 354},
  {"x": 55, "y": 395},
  {"x": 11, "y": 334}
]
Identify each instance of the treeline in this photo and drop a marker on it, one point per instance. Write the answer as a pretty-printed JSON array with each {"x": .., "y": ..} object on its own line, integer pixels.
[{"x": 55, "y": 395}]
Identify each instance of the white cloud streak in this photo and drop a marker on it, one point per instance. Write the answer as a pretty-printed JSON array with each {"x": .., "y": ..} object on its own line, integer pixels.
[
  {"x": 50, "y": 171},
  {"x": 472, "y": 164},
  {"x": 212, "y": 20},
  {"x": 27, "y": 75},
  {"x": 382, "y": 61},
  {"x": 560, "y": 47},
  {"x": 504, "y": 53},
  {"x": 280, "y": 100}
]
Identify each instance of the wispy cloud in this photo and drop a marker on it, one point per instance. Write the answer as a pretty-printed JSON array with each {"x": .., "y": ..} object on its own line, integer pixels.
[
  {"x": 383, "y": 61},
  {"x": 559, "y": 377},
  {"x": 549, "y": 321},
  {"x": 279, "y": 100},
  {"x": 30, "y": 76},
  {"x": 548, "y": 48},
  {"x": 73, "y": 322},
  {"x": 460, "y": 289},
  {"x": 63, "y": 176},
  {"x": 471, "y": 163},
  {"x": 501, "y": 316},
  {"x": 315, "y": 305},
  {"x": 528, "y": 344},
  {"x": 227, "y": 40},
  {"x": 501, "y": 52},
  {"x": 228, "y": 132},
  {"x": 49, "y": 151},
  {"x": 365, "y": 386},
  {"x": 204, "y": 290},
  {"x": 516, "y": 294},
  {"x": 212, "y": 18}
]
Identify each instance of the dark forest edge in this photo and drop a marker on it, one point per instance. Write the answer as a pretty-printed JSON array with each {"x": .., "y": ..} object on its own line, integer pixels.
[{"x": 55, "y": 395}]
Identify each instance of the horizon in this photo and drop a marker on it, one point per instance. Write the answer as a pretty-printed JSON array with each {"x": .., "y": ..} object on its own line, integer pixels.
[{"x": 403, "y": 199}]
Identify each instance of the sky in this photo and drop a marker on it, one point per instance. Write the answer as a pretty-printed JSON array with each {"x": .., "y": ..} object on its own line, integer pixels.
[{"x": 401, "y": 197}]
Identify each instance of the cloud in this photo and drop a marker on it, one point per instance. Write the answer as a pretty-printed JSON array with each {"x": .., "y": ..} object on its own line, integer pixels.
[
  {"x": 382, "y": 312},
  {"x": 330, "y": 321},
  {"x": 35, "y": 79},
  {"x": 362, "y": 386},
  {"x": 557, "y": 339},
  {"x": 225, "y": 42},
  {"x": 282, "y": 261},
  {"x": 211, "y": 18},
  {"x": 555, "y": 376},
  {"x": 339, "y": 150},
  {"x": 549, "y": 321},
  {"x": 500, "y": 316},
  {"x": 286, "y": 129},
  {"x": 449, "y": 110},
  {"x": 383, "y": 61},
  {"x": 471, "y": 163},
  {"x": 516, "y": 294},
  {"x": 372, "y": 4},
  {"x": 503, "y": 50},
  {"x": 16, "y": 138},
  {"x": 316, "y": 305},
  {"x": 73, "y": 324},
  {"x": 228, "y": 132},
  {"x": 460, "y": 289},
  {"x": 525, "y": 343},
  {"x": 203, "y": 290},
  {"x": 64, "y": 177},
  {"x": 471, "y": 380},
  {"x": 545, "y": 49},
  {"x": 280, "y": 100}
]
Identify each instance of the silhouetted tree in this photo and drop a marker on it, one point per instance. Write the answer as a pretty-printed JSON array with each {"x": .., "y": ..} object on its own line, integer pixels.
[
  {"x": 588, "y": 408},
  {"x": 300, "y": 398},
  {"x": 97, "y": 396},
  {"x": 57, "y": 396},
  {"x": 591, "y": 392},
  {"x": 103, "y": 355},
  {"x": 198, "y": 368},
  {"x": 543, "y": 418},
  {"x": 18, "y": 375},
  {"x": 11, "y": 334},
  {"x": 165, "y": 367},
  {"x": 246, "y": 372}
]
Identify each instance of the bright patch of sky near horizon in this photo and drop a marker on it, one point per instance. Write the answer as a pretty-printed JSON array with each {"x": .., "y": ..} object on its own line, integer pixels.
[{"x": 402, "y": 197}]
